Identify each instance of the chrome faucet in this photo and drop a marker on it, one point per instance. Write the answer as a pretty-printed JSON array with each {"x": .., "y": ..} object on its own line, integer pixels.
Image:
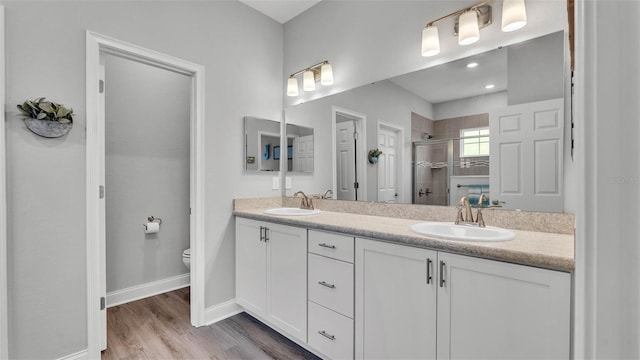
[
  {"x": 307, "y": 203},
  {"x": 468, "y": 219},
  {"x": 326, "y": 196}
]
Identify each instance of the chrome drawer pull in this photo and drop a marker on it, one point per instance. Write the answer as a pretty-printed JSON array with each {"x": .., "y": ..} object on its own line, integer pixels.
[
  {"x": 327, "y": 246},
  {"x": 323, "y": 333},
  {"x": 326, "y": 284}
]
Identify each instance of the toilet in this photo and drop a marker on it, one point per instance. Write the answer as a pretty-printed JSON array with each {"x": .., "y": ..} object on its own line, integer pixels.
[{"x": 186, "y": 258}]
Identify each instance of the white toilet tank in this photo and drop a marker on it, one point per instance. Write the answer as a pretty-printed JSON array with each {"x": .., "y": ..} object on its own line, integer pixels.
[{"x": 186, "y": 258}]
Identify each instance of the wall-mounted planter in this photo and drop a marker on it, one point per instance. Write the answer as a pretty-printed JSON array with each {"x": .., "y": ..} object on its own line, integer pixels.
[
  {"x": 46, "y": 118},
  {"x": 373, "y": 156},
  {"x": 47, "y": 128}
]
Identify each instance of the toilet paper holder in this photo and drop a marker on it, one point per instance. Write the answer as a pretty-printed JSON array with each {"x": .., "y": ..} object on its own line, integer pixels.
[{"x": 154, "y": 219}]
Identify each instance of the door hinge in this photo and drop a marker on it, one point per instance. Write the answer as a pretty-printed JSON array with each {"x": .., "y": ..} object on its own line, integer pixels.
[
  {"x": 356, "y": 185},
  {"x": 355, "y": 135},
  {"x": 101, "y": 192},
  {"x": 101, "y": 86},
  {"x": 103, "y": 303}
]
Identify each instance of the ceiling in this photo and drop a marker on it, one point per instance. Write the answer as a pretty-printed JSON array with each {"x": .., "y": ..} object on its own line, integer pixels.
[
  {"x": 453, "y": 80},
  {"x": 280, "y": 10}
]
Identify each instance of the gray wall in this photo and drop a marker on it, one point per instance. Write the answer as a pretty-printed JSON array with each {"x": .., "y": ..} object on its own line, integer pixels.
[
  {"x": 147, "y": 171},
  {"x": 45, "y": 56},
  {"x": 535, "y": 70}
]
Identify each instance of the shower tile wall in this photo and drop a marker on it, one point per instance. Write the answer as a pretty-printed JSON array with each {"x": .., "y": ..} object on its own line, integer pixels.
[
  {"x": 431, "y": 181},
  {"x": 450, "y": 128}
]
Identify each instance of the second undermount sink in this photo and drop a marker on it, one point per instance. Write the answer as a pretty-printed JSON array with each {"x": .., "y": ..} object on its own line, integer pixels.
[
  {"x": 451, "y": 231},
  {"x": 291, "y": 211}
]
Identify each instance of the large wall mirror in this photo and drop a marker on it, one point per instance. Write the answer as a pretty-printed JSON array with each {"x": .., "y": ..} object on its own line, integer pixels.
[
  {"x": 263, "y": 149},
  {"x": 492, "y": 123}
]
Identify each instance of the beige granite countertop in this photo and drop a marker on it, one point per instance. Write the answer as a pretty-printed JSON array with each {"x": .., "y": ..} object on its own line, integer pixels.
[{"x": 539, "y": 249}]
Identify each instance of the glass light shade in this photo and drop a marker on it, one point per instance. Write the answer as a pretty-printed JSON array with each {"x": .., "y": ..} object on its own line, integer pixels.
[
  {"x": 514, "y": 15},
  {"x": 308, "y": 81},
  {"x": 430, "y": 41},
  {"x": 326, "y": 74},
  {"x": 292, "y": 87},
  {"x": 468, "y": 31}
]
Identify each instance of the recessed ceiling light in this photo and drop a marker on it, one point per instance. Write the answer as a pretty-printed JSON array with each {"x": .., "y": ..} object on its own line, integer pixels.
[
  {"x": 489, "y": 86},
  {"x": 472, "y": 65}
]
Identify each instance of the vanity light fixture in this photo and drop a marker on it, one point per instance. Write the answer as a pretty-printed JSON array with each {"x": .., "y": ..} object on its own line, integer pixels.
[
  {"x": 322, "y": 72},
  {"x": 469, "y": 21}
]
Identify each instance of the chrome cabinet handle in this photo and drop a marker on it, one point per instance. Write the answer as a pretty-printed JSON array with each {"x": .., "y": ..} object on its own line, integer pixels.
[
  {"x": 266, "y": 234},
  {"x": 442, "y": 265},
  {"x": 327, "y": 246},
  {"x": 331, "y": 286},
  {"x": 262, "y": 228},
  {"x": 328, "y": 336},
  {"x": 429, "y": 269}
]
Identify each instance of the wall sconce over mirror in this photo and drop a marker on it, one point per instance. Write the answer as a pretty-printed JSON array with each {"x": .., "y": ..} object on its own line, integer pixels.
[
  {"x": 469, "y": 21},
  {"x": 322, "y": 72}
]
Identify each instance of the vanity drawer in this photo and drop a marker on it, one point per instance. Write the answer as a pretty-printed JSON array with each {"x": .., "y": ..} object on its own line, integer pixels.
[
  {"x": 330, "y": 333},
  {"x": 332, "y": 245},
  {"x": 331, "y": 284}
]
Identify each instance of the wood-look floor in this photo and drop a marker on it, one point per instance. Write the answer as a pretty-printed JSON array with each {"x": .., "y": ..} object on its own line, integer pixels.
[{"x": 159, "y": 328}]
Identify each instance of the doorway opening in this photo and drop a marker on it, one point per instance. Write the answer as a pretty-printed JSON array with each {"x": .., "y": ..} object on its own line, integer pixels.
[
  {"x": 96, "y": 46},
  {"x": 349, "y": 154}
]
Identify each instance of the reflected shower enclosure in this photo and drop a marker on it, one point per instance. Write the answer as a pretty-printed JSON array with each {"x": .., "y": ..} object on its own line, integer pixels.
[{"x": 432, "y": 160}]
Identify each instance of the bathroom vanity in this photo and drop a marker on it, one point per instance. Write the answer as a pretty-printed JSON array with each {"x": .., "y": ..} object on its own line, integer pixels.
[{"x": 347, "y": 285}]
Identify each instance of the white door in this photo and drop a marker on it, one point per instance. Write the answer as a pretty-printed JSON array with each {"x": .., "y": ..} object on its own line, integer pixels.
[
  {"x": 345, "y": 160},
  {"x": 287, "y": 279},
  {"x": 526, "y": 155},
  {"x": 303, "y": 154},
  {"x": 494, "y": 310},
  {"x": 395, "y": 301},
  {"x": 251, "y": 266},
  {"x": 388, "y": 165}
]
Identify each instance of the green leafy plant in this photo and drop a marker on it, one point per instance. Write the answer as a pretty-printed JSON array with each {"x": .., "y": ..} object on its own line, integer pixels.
[
  {"x": 374, "y": 153},
  {"x": 46, "y": 110}
]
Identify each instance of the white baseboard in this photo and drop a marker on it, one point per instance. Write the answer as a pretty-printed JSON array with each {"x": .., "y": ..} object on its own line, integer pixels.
[
  {"x": 142, "y": 291},
  {"x": 219, "y": 312},
  {"x": 80, "y": 355}
]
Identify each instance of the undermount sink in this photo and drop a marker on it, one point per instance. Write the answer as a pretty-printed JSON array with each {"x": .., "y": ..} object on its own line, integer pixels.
[
  {"x": 451, "y": 231},
  {"x": 291, "y": 211}
]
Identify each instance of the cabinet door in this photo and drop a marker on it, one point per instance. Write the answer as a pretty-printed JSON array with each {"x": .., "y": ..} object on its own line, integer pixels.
[
  {"x": 493, "y": 310},
  {"x": 251, "y": 267},
  {"x": 395, "y": 301},
  {"x": 287, "y": 279}
]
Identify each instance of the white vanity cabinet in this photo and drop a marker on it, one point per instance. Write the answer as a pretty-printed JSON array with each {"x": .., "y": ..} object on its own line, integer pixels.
[
  {"x": 331, "y": 294},
  {"x": 408, "y": 298},
  {"x": 395, "y": 301},
  {"x": 495, "y": 310},
  {"x": 271, "y": 274}
]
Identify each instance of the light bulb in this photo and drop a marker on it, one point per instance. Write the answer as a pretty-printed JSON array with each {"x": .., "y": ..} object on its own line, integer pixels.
[
  {"x": 292, "y": 87},
  {"x": 308, "y": 81},
  {"x": 468, "y": 31},
  {"x": 514, "y": 15},
  {"x": 430, "y": 41},
  {"x": 326, "y": 74}
]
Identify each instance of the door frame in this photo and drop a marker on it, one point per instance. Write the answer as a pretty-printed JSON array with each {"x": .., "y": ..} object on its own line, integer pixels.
[
  {"x": 399, "y": 156},
  {"x": 361, "y": 120},
  {"x": 95, "y": 45},
  {"x": 4, "y": 350}
]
